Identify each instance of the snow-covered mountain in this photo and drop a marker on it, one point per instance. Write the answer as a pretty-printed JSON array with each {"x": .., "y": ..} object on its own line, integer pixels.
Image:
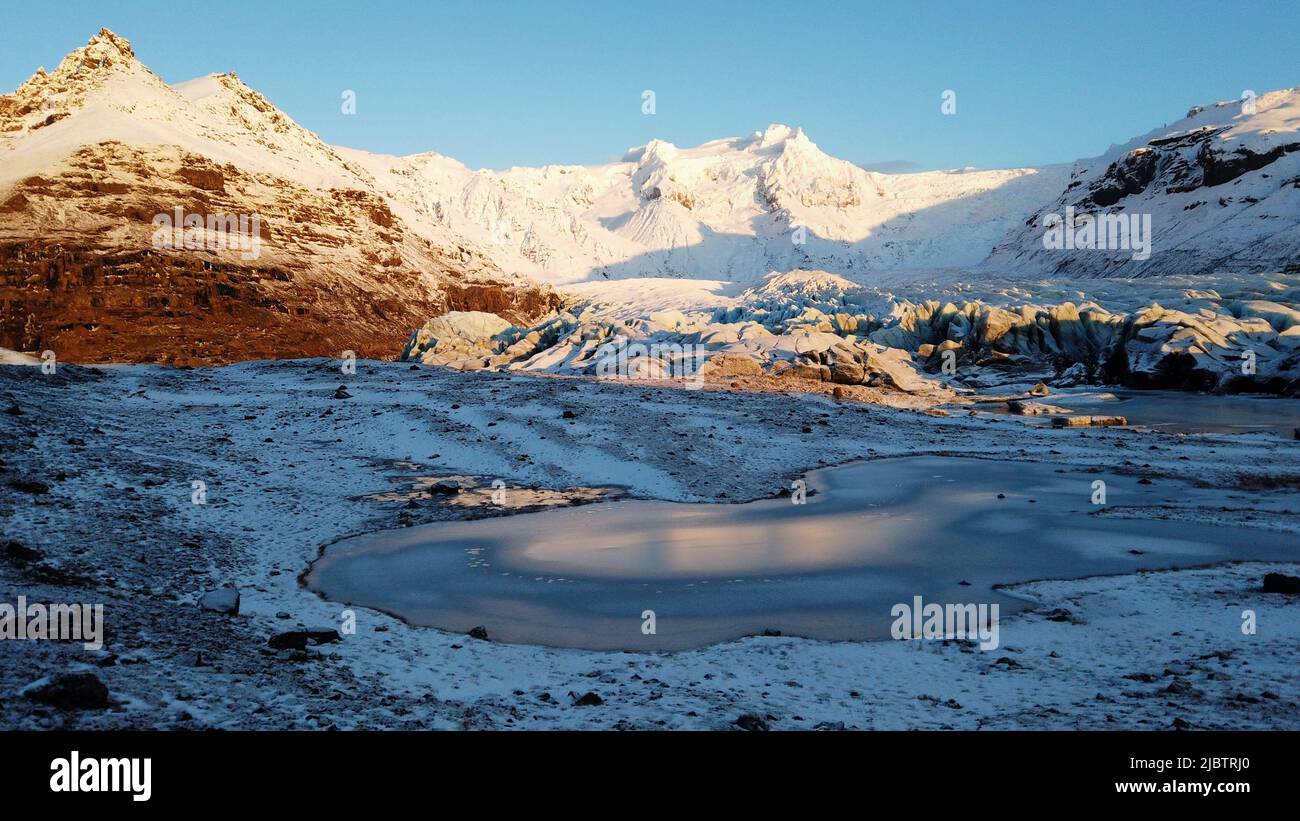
[
  {"x": 1221, "y": 188},
  {"x": 355, "y": 249},
  {"x": 95, "y": 152},
  {"x": 733, "y": 208}
]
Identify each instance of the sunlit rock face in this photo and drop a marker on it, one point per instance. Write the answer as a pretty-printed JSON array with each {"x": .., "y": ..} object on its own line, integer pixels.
[{"x": 93, "y": 154}]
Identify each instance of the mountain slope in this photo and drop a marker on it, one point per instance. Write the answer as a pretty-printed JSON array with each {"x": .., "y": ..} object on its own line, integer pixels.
[
  {"x": 92, "y": 154},
  {"x": 1221, "y": 187},
  {"x": 728, "y": 209}
]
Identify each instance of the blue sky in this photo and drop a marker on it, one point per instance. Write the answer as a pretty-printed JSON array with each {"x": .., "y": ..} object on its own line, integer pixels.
[{"x": 495, "y": 84}]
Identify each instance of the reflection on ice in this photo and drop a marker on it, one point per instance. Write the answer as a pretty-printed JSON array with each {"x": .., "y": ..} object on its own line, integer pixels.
[{"x": 874, "y": 534}]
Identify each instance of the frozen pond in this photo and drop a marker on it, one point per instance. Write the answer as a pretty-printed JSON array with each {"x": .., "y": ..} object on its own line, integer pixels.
[
  {"x": 1187, "y": 412},
  {"x": 874, "y": 534}
]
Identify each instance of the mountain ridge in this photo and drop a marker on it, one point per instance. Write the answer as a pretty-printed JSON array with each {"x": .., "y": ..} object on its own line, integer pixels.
[
  {"x": 356, "y": 247},
  {"x": 93, "y": 155}
]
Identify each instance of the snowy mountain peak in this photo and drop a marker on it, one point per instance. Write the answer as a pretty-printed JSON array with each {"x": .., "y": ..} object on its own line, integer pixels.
[
  {"x": 104, "y": 57},
  {"x": 104, "y": 70},
  {"x": 732, "y": 208},
  {"x": 107, "y": 46},
  {"x": 95, "y": 151},
  {"x": 777, "y": 134}
]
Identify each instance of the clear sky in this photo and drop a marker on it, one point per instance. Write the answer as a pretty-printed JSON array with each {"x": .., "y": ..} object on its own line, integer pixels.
[{"x": 496, "y": 84}]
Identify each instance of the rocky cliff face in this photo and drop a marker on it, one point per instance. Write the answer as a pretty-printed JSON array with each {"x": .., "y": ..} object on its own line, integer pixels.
[
  {"x": 198, "y": 224},
  {"x": 1220, "y": 189}
]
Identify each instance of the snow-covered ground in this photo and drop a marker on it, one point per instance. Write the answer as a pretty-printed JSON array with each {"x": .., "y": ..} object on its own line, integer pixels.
[{"x": 98, "y": 466}]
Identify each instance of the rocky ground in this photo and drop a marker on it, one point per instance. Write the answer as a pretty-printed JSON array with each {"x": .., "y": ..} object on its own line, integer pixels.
[{"x": 97, "y": 505}]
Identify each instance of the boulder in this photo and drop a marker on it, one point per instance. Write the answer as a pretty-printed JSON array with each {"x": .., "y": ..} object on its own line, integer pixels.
[
  {"x": 847, "y": 373},
  {"x": 1088, "y": 421},
  {"x": 815, "y": 373},
  {"x": 897, "y": 365},
  {"x": 299, "y": 639},
  {"x": 752, "y": 722},
  {"x": 223, "y": 600},
  {"x": 1281, "y": 583},
  {"x": 70, "y": 691},
  {"x": 1023, "y": 407},
  {"x": 731, "y": 364},
  {"x": 21, "y": 553}
]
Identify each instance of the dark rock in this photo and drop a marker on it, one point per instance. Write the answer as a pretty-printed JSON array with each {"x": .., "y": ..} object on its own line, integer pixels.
[
  {"x": 72, "y": 691},
  {"x": 1226, "y": 166},
  {"x": 298, "y": 639},
  {"x": 342, "y": 393},
  {"x": 18, "y": 552},
  {"x": 770, "y": 632},
  {"x": 479, "y": 632},
  {"x": 445, "y": 487},
  {"x": 1128, "y": 175},
  {"x": 1281, "y": 583},
  {"x": 752, "y": 723},
  {"x": 588, "y": 699},
  {"x": 568, "y": 414},
  {"x": 29, "y": 486},
  {"x": 1060, "y": 614}
]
